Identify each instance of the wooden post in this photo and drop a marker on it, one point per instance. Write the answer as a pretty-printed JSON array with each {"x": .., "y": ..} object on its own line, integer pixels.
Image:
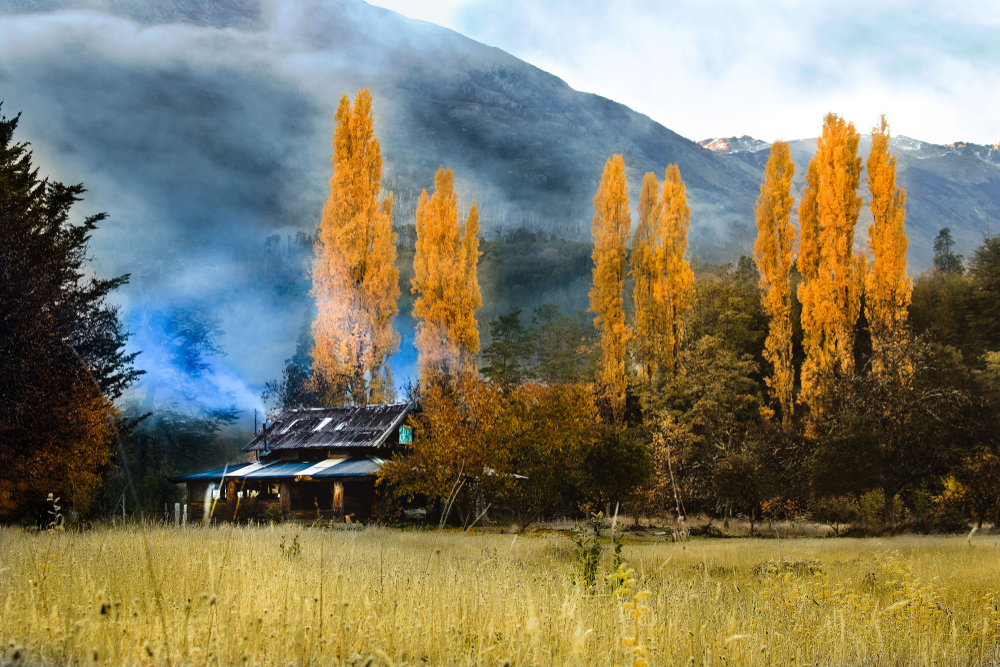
[
  {"x": 285, "y": 496},
  {"x": 185, "y": 519},
  {"x": 177, "y": 514}
]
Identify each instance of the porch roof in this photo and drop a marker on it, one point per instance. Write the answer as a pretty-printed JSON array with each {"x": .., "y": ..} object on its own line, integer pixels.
[{"x": 356, "y": 466}]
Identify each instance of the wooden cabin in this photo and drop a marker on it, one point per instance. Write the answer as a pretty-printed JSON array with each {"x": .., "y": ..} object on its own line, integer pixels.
[{"x": 313, "y": 463}]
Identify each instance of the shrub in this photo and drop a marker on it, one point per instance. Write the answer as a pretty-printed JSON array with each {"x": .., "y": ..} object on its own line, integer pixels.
[
  {"x": 836, "y": 511},
  {"x": 273, "y": 514}
]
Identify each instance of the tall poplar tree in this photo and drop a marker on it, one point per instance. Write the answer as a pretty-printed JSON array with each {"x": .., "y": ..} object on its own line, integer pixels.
[
  {"x": 888, "y": 287},
  {"x": 355, "y": 280},
  {"x": 773, "y": 252},
  {"x": 647, "y": 273},
  {"x": 446, "y": 283},
  {"x": 676, "y": 291},
  {"x": 611, "y": 226},
  {"x": 833, "y": 275},
  {"x": 664, "y": 282}
]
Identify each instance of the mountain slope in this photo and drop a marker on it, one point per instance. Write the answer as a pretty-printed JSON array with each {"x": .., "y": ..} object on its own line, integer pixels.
[
  {"x": 520, "y": 139},
  {"x": 203, "y": 127},
  {"x": 955, "y": 186}
]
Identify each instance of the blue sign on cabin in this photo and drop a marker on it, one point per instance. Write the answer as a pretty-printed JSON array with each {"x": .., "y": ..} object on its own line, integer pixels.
[{"x": 405, "y": 435}]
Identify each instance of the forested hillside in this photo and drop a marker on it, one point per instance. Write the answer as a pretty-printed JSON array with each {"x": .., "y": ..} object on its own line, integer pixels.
[{"x": 230, "y": 111}]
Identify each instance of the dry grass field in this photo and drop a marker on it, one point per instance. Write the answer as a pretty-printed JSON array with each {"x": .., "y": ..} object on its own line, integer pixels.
[{"x": 285, "y": 595}]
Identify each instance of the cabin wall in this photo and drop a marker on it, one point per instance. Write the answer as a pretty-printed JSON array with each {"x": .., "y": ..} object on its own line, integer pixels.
[
  {"x": 359, "y": 499},
  {"x": 297, "y": 500}
]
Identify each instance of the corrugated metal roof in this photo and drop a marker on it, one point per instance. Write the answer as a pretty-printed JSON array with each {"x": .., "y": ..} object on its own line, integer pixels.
[
  {"x": 208, "y": 475},
  {"x": 245, "y": 469},
  {"x": 278, "y": 470},
  {"x": 352, "y": 467},
  {"x": 331, "y": 428}
]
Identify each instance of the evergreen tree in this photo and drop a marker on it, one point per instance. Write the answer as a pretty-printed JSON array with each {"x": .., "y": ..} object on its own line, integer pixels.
[
  {"x": 728, "y": 305},
  {"x": 509, "y": 349},
  {"x": 563, "y": 346},
  {"x": 984, "y": 269},
  {"x": 61, "y": 344},
  {"x": 355, "y": 280},
  {"x": 945, "y": 260}
]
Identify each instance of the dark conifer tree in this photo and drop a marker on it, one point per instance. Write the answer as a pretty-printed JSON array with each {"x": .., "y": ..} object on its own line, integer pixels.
[{"x": 62, "y": 345}]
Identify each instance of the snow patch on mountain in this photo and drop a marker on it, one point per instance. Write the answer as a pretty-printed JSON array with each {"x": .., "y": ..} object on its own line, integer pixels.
[
  {"x": 903, "y": 143},
  {"x": 916, "y": 148},
  {"x": 727, "y": 145},
  {"x": 923, "y": 150}
]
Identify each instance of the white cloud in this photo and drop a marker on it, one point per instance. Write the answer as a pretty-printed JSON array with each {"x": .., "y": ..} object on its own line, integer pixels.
[{"x": 766, "y": 69}]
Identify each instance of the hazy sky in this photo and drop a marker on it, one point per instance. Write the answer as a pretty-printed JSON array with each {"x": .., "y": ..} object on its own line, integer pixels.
[{"x": 767, "y": 69}]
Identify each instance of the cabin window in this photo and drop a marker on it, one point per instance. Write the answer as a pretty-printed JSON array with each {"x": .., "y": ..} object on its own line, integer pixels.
[
  {"x": 289, "y": 456},
  {"x": 405, "y": 435}
]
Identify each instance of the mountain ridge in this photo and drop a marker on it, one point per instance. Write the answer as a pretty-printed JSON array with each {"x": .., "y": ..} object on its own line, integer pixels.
[
  {"x": 204, "y": 127},
  {"x": 916, "y": 147}
]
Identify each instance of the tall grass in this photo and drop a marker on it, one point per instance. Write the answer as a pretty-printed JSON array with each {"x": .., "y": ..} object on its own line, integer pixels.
[{"x": 232, "y": 596}]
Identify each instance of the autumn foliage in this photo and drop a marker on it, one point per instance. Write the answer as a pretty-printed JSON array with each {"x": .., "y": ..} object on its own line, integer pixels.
[
  {"x": 676, "y": 291},
  {"x": 664, "y": 282},
  {"x": 355, "y": 280},
  {"x": 773, "y": 252},
  {"x": 887, "y": 287},
  {"x": 833, "y": 274},
  {"x": 478, "y": 443},
  {"x": 611, "y": 226},
  {"x": 446, "y": 283}
]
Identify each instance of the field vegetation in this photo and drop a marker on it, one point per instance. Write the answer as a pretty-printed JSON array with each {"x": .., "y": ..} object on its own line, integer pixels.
[{"x": 286, "y": 595}]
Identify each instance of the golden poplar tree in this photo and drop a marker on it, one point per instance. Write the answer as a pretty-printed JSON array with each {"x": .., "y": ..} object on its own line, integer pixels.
[
  {"x": 355, "y": 280},
  {"x": 611, "y": 226},
  {"x": 446, "y": 283},
  {"x": 675, "y": 292},
  {"x": 833, "y": 274},
  {"x": 888, "y": 287},
  {"x": 773, "y": 252},
  {"x": 646, "y": 274},
  {"x": 664, "y": 281},
  {"x": 808, "y": 263}
]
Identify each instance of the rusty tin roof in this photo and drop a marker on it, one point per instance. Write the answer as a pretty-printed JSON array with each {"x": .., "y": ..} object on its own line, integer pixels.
[{"x": 332, "y": 428}]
